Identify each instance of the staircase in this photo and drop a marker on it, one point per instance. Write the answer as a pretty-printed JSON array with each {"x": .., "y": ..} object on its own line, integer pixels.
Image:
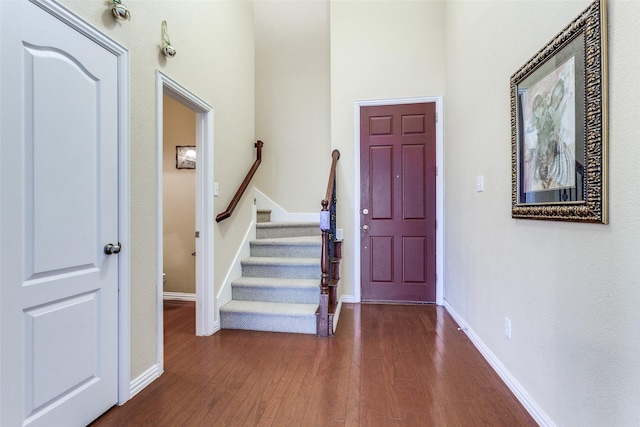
[{"x": 279, "y": 288}]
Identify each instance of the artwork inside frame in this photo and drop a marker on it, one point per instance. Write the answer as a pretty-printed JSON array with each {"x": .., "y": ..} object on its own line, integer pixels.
[
  {"x": 185, "y": 157},
  {"x": 559, "y": 125}
]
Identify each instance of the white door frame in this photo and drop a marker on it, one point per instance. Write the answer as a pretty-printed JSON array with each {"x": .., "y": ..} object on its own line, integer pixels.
[
  {"x": 205, "y": 296},
  {"x": 124, "y": 235},
  {"x": 438, "y": 100}
]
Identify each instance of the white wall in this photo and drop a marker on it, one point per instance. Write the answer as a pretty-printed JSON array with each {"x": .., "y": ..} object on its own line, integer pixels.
[
  {"x": 571, "y": 290},
  {"x": 292, "y": 101},
  {"x": 215, "y": 60},
  {"x": 379, "y": 49}
]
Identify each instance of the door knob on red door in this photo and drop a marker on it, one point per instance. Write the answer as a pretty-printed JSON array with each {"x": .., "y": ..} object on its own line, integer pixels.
[{"x": 365, "y": 227}]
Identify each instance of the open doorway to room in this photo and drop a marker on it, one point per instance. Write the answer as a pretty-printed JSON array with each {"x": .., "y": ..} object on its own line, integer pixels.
[
  {"x": 179, "y": 162},
  {"x": 178, "y": 201},
  {"x": 185, "y": 179}
]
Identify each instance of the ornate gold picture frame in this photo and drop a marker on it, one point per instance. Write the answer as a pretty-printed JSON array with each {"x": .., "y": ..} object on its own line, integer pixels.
[{"x": 559, "y": 125}]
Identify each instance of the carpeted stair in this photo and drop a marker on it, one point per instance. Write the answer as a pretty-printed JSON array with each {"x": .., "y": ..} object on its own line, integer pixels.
[{"x": 279, "y": 288}]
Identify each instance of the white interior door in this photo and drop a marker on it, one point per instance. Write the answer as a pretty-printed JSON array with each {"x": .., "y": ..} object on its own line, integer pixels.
[{"x": 59, "y": 208}]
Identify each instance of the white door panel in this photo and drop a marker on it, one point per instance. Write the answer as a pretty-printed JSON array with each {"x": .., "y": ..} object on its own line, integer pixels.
[
  {"x": 61, "y": 152},
  {"x": 59, "y": 201}
]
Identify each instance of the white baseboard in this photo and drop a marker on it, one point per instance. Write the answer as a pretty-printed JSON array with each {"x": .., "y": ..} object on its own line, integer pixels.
[
  {"x": 344, "y": 299},
  {"x": 178, "y": 296},
  {"x": 349, "y": 299},
  {"x": 336, "y": 316},
  {"x": 216, "y": 326},
  {"x": 530, "y": 405},
  {"x": 278, "y": 214},
  {"x": 144, "y": 380}
]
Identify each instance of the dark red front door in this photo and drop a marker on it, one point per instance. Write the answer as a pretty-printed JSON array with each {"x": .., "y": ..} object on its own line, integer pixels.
[{"x": 398, "y": 213}]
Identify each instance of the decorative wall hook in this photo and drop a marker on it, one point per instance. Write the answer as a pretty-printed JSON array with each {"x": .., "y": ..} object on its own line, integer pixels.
[
  {"x": 119, "y": 10},
  {"x": 168, "y": 50}
]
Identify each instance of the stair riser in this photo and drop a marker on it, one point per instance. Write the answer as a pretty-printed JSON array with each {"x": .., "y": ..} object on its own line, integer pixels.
[
  {"x": 276, "y": 294},
  {"x": 286, "y": 251},
  {"x": 286, "y": 231},
  {"x": 263, "y": 216},
  {"x": 271, "y": 323},
  {"x": 282, "y": 271}
]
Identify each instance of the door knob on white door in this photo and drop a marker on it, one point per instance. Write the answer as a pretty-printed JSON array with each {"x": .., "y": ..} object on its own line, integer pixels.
[{"x": 111, "y": 249}]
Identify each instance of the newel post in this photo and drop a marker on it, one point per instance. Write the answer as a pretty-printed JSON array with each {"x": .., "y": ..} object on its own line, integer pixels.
[{"x": 322, "y": 326}]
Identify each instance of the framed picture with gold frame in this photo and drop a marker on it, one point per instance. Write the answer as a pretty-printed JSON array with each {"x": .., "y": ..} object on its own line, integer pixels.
[{"x": 559, "y": 125}]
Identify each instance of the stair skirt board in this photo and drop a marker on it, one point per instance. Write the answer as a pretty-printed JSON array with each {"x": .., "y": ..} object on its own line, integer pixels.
[
  {"x": 235, "y": 271},
  {"x": 280, "y": 214},
  {"x": 269, "y": 316}
]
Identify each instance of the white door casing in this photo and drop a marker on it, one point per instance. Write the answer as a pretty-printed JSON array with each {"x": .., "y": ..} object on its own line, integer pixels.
[
  {"x": 439, "y": 101},
  {"x": 59, "y": 181},
  {"x": 206, "y": 324}
]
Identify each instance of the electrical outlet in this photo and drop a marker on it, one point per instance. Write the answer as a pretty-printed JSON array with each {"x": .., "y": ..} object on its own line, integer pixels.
[{"x": 507, "y": 327}]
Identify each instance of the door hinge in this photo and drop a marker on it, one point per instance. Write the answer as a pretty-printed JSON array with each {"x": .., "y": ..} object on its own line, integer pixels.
[
  {"x": 436, "y": 114},
  {"x": 436, "y": 224},
  {"x": 197, "y": 234}
]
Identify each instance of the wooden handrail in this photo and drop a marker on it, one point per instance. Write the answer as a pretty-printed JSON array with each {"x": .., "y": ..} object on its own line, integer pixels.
[
  {"x": 234, "y": 202},
  {"x": 335, "y": 155}
]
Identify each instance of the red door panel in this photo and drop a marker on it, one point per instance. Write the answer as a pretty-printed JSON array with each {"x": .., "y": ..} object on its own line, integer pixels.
[
  {"x": 413, "y": 195},
  {"x": 397, "y": 158},
  {"x": 381, "y": 166}
]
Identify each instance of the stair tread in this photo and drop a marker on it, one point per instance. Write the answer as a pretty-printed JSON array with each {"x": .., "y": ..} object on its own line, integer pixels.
[
  {"x": 269, "y": 308},
  {"x": 275, "y": 282},
  {"x": 272, "y": 224}
]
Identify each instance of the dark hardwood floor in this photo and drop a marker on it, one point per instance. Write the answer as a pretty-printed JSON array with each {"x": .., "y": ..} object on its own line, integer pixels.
[{"x": 387, "y": 365}]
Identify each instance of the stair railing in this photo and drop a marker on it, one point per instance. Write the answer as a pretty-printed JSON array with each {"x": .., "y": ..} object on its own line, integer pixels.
[
  {"x": 330, "y": 257},
  {"x": 243, "y": 186}
]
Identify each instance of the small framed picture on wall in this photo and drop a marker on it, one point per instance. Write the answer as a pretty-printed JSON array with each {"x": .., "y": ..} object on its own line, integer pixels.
[{"x": 185, "y": 157}]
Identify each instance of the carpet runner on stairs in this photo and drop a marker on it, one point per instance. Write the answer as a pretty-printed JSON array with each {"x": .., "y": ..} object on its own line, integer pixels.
[{"x": 279, "y": 288}]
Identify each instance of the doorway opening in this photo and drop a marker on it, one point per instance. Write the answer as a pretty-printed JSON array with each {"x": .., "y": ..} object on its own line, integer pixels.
[
  {"x": 202, "y": 188},
  {"x": 179, "y": 203}
]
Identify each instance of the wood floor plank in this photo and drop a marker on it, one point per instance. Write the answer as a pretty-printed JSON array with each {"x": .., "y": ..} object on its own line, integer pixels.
[
  {"x": 387, "y": 365},
  {"x": 288, "y": 383},
  {"x": 292, "y": 397},
  {"x": 274, "y": 383}
]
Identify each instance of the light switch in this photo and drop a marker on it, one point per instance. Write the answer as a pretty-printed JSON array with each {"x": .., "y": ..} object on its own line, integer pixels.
[
  {"x": 480, "y": 183},
  {"x": 215, "y": 189}
]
